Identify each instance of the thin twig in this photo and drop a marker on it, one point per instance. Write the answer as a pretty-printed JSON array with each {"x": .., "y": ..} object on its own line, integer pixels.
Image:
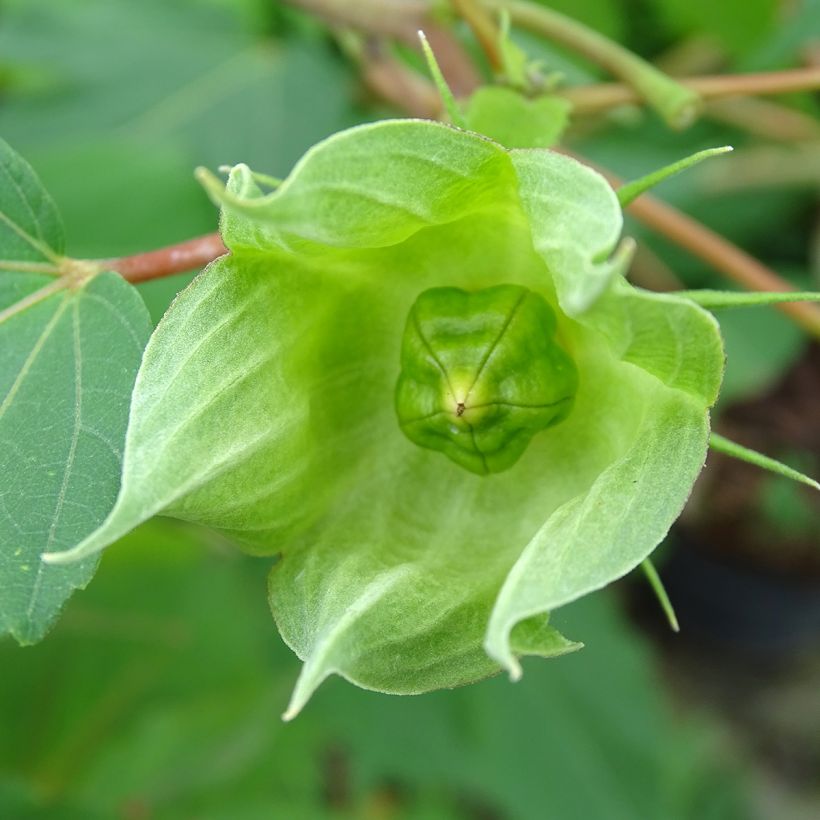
[
  {"x": 483, "y": 27},
  {"x": 722, "y": 254},
  {"x": 764, "y": 118},
  {"x": 392, "y": 81},
  {"x": 713, "y": 248},
  {"x": 719, "y": 252},
  {"x": 649, "y": 271},
  {"x": 386, "y": 78},
  {"x": 676, "y": 103},
  {"x": 184, "y": 256},
  {"x": 591, "y": 98},
  {"x": 401, "y": 20}
]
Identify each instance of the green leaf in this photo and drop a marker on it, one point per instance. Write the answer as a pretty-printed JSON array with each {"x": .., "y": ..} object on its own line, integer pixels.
[
  {"x": 515, "y": 121},
  {"x": 66, "y": 372},
  {"x": 30, "y": 226},
  {"x": 660, "y": 333},
  {"x": 184, "y": 703},
  {"x": 265, "y": 406},
  {"x": 68, "y": 359},
  {"x": 388, "y": 198}
]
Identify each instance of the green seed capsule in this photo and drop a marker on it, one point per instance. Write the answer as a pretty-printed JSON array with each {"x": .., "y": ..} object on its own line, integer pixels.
[{"x": 481, "y": 374}]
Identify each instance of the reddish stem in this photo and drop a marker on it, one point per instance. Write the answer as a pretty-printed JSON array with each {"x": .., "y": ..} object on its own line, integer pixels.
[
  {"x": 704, "y": 243},
  {"x": 587, "y": 98},
  {"x": 185, "y": 256}
]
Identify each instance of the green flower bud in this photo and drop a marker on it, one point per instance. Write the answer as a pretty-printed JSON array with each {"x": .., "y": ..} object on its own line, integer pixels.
[{"x": 481, "y": 374}]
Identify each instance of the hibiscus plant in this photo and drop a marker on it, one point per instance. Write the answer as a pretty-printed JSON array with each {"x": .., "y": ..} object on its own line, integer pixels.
[{"x": 418, "y": 377}]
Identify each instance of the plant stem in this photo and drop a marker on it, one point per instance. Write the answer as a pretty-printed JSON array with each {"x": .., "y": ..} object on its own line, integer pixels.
[
  {"x": 719, "y": 252},
  {"x": 590, "y": 98},
  {"x": 393, "y": 82},
  {"x": 402, "y": 20},
  {"x": 184, "y": 256},
  {"x": 483, "y": 27},
  {"x": 723, "y": 255},
  {"x": 676, "y": 103},
  {"x": 764, "y": 118}
]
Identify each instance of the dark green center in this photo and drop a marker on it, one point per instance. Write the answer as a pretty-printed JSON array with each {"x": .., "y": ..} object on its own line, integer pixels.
[{"x": 481, "y": 374}]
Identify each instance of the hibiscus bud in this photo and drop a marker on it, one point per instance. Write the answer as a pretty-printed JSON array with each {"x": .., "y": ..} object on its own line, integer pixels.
[{"x": 481, "y": 374}]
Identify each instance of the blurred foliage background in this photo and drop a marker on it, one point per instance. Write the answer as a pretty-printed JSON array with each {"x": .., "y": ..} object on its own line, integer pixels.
[{"x": 158, "y": 695}]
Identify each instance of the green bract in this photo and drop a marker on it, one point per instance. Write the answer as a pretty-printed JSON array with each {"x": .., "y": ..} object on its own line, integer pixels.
[
  {"x": 481, "y": 374},
  {"x": 264, "y": 406}
]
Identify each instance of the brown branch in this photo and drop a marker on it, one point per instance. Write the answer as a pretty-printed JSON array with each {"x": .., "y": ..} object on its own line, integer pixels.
[
  {"x": 401, "y": 20},
  {"x": 719, "y": 252},
  {"x": 699, "y": 240},
  {"x": 385, "y": 77},
  {"x": 764, "y": 118},
  {"x": 590, "y": 98},
  {"x": 390, "y": 80},
  {"x": 649, "y": 271},
  {"x": 767, "y": 166},
  {"x": 396, "y": 18},
  {"x": 723, "y": 255},
  {"x": 185, "y": 256},
  {"x": 483, "y": 27}
]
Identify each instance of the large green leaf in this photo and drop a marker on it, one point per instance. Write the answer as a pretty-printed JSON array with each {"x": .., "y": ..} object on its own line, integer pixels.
[
  {"x": 172, "y": 707},
  {"x": 67, "y": 366},
  {"x": 264, "y": 406}
]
